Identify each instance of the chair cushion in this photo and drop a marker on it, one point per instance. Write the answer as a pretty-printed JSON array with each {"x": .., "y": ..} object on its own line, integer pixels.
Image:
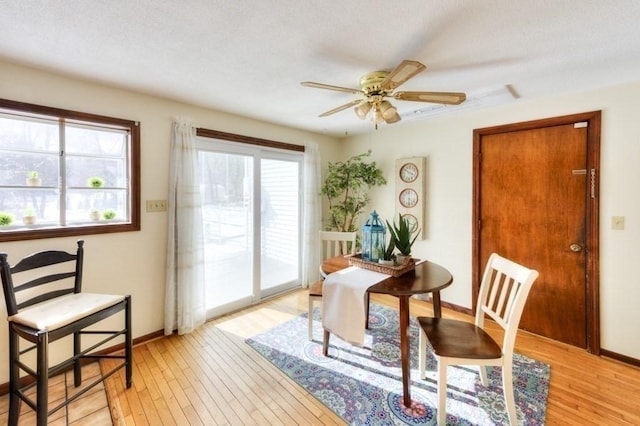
[
  {"x": 459, "y": 339},
  {"x": 63, "y": 310}
]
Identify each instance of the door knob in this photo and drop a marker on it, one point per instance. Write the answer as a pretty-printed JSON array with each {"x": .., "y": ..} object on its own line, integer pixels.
[{"x": 575, "y": 247}]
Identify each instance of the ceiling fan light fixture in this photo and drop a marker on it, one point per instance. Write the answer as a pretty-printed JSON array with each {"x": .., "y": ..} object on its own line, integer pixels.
[
  {"x": 393, "y": 119},
  {"x": 387, "y": 110},
  {"x": 362, "y": 109}
]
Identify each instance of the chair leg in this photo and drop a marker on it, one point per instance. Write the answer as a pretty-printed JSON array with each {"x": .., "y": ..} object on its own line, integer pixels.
[
  {"x": 507, "y": 388},
  {"x": 422, "y": 355},
  {"x": 442, "y": 392},
  {"x": 311, "y": 317},
  {"x": 42, "y": 379},
  {"x": 14, "y": 377},
  {"x": 77, "y": 368},
  {"x": 128, "y": 349}
]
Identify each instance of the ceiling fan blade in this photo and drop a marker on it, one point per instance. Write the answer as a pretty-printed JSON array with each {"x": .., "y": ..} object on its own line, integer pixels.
[
  {"x": 450, "y": 98},
  {"x": 340, "y": 108},
  {"x": 330, "y": 87},
  {"x": 403, "y": 72}
]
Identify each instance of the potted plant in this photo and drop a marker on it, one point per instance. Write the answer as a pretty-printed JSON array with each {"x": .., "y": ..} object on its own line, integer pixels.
[
  {"x": 95, "y": 182},
  {"x": 345, "y": 186},
  {"x": 6, "y": 219},
  {"x": 108, "y": 214},
  {"x": 94, "y": 215},
  {"x": 29, "y": 217},
  {"x": 401, "y": 234},
  {"x": 387, "y": 253},
  {"x": 33, "y": 178}
]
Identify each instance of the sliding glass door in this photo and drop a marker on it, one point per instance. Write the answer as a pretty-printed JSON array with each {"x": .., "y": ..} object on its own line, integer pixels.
[{"x": 251, "y": 217}]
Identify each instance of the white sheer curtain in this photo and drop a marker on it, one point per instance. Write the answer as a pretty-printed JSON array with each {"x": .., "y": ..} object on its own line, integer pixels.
[
  {"x": 312, "y": 215},
  {"x": 185, "y": 307}
]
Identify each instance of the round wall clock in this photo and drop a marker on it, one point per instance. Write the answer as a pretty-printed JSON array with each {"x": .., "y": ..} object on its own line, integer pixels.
[
  {"x": 411, "y": 221},
  {"x": 408, "y": 198},
  {"x": 409, "y": 172}
]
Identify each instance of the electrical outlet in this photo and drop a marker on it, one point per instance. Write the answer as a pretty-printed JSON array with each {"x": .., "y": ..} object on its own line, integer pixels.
[
  {"x": 617, "y": 222},
  {"x": 156, "y": 205}
]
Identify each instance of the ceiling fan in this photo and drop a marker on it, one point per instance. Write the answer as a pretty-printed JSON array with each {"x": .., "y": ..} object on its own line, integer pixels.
[{"x": 378, "y": 85}]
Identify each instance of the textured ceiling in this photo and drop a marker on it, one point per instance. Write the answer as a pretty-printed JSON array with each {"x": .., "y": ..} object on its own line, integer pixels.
[{"x": 249, "y": 57}]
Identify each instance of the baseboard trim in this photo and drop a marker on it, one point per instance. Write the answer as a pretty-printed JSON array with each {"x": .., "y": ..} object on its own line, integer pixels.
[
  {"x": 4, "y": 387},
  {"x": 619, "y": 357}
]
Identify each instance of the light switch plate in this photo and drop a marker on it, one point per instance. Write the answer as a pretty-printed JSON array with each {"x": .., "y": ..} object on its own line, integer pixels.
[{"x": 156, "y": 206}]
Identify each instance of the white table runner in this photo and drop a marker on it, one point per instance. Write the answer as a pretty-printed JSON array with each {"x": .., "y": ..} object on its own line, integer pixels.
[{"x": 343, "y": 302}]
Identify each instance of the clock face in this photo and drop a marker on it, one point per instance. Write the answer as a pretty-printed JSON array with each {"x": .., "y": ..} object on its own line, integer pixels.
[
  {"x": 409, "y": 172},
  {"x": 408, "y": 198},
  {"x": 411, "y": 221}
]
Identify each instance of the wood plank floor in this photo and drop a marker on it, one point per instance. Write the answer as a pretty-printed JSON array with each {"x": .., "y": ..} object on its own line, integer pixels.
[{"x": 212, "y": 377}]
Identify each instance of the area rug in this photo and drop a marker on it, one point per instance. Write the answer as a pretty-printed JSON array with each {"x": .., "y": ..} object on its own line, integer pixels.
[{"x": 363, "y": 385}]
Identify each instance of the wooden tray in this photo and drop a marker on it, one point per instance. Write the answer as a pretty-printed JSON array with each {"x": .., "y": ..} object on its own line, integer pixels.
[{"x": 394, "y": 271}]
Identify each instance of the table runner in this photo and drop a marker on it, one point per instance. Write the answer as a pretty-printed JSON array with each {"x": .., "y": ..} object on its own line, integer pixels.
[{"x": 343, "y": 304}]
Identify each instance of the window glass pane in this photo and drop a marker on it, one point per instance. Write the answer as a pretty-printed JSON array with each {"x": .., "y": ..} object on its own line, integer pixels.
[
  {"x": 96, "y": 205},
  {"x": 280, "y": 216},
  {"x": 82, "y": 171}
]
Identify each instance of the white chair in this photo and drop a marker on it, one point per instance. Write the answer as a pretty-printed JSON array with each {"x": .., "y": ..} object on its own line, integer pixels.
[
  {"x": 332, "y": 243},
  {"x": 503, "y": 293}
]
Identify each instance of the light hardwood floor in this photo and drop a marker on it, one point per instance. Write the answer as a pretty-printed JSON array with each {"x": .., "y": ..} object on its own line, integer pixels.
[{"x": 212, "y": 377}]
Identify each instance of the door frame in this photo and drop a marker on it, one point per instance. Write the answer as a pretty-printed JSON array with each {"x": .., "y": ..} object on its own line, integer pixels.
[{"x": 592, "y": 278}]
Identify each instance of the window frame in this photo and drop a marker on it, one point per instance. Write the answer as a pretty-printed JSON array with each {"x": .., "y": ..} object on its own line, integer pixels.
[{"x": 133, "y": 128}]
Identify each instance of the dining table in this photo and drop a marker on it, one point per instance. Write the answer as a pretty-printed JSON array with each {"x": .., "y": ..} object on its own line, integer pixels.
[{"x": 426, "y": 277}]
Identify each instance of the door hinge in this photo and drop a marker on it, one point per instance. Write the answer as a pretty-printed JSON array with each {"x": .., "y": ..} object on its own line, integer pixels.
[{"x": 593, "y": 183}]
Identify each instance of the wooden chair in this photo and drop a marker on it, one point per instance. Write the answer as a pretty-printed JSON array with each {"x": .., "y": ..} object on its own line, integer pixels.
[
  {"x": 44, "y": 304},
  {"x": 332, "y": 243},
  {"x": 503, "y": 293}
]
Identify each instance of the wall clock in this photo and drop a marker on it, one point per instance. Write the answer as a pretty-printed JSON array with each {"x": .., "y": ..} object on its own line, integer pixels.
[
  {"x": 408, "y": 198},
  {"x": 410, "y": 189},
  {"x": 409, "y": 172}
]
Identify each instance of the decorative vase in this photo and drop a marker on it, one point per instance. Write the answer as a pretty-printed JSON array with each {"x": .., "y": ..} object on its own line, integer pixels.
[
  {"x": 34, "y": 181},
  {"x": 29, "y": 220}
]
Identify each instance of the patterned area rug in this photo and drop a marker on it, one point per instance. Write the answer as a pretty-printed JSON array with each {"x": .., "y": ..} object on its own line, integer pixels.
[{"x": 364, "y": 387}]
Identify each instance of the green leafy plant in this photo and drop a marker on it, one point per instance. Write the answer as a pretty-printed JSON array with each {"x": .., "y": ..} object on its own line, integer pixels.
[
  {"x": 33, "y": 174},
  {"x": 401, "y": 234},
  {"x": 387, "y": 253},
  {"x": 6, "y": 219},
  {"x": 95, "y": 182},
  {"x": 346, "y": 186},
  {"x": 109, "y": 214},
  {"x": 29, "y": 212}
]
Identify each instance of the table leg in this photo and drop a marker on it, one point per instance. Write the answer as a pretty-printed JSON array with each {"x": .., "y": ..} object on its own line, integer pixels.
[
  {"x": 404, "y": 349},
  {"x": 437, "y": 309}
]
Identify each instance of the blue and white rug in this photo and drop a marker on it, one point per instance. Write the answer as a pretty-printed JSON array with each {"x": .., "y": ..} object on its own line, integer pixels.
[{"x": 363, "y": 385}]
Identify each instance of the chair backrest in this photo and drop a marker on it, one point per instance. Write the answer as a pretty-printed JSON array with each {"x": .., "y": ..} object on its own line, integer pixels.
[
  {"x": 335, "y": 243},
  {"x": 503, "y": 292},
  {"x": 40, "y": 276}
]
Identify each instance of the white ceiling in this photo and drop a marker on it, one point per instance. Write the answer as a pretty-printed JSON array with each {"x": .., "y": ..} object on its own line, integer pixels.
[{"x": 249, "y": 57}]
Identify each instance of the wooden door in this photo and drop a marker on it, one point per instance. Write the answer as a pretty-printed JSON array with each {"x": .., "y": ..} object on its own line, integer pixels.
[{"x": 535, "y": 202}]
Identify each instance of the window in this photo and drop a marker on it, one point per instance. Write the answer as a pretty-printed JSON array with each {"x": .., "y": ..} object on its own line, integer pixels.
[{"x": 66, "y": 173}]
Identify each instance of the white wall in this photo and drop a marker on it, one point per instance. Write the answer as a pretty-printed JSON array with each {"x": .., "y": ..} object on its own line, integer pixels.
[
  {"x": 131, "y": 262},
  {"x": 447, "y": 144}
]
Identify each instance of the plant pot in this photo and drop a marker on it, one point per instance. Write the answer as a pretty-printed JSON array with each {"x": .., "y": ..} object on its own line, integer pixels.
[
  {"x": 402, "y": 259},
  {"x": 29, "y": 220},
  {"x": 94, "y": 215},
  {"x": 386, "y": 262},
  {"x": 34, "y": 181}
]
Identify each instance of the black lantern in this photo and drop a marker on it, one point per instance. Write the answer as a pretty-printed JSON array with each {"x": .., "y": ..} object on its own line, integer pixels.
[{"x": 373, "y": 238}]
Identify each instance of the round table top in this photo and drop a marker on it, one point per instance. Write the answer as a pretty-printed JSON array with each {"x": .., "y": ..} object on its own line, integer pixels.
[{"x": 427, "y": 277}]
